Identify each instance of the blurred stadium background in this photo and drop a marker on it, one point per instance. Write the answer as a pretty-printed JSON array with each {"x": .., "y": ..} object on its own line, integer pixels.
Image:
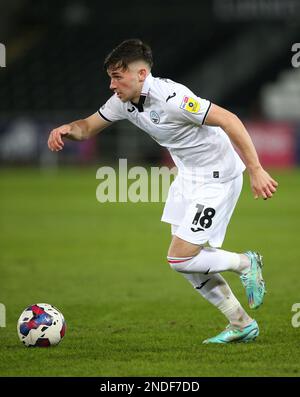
[
  {"x": 103, "y": 264},
  {"x": 237, "y": 53}
]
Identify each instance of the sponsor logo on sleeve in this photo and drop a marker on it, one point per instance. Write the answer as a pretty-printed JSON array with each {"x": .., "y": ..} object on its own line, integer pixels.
[{"x": 190, "y": 104}]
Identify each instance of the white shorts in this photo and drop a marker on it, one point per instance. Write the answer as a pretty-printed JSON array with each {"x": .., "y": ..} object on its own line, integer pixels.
[{"x": 202, "y": 217}]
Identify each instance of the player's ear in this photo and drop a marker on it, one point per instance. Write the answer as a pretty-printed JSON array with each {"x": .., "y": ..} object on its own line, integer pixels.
[{"x": 142, "y": 73}]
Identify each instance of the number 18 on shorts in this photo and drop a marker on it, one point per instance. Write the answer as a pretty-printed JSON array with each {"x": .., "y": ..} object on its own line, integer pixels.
[{"x": 204, "y": 217}]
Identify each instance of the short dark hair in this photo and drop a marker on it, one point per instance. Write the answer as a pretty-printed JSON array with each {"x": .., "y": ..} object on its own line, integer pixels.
[{"x": 128, "y": 51}]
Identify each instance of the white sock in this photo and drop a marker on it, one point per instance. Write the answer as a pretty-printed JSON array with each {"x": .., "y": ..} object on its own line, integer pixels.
[
  {"x": 211, "y": 260},
  {"x": 215, "y": 290}
]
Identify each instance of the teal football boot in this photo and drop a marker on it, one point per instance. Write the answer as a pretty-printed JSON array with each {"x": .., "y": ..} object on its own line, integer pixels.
[
  {"x": 233, "y": 334},
  {"x": 253, "y": 281}
]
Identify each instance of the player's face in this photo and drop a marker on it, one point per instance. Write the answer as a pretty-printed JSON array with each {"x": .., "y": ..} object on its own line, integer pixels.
[{"x": 127, "y": 84}]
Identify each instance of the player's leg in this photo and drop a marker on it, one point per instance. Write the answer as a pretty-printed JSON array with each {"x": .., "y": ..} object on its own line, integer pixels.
[
  {"x": 208, "y": 225},
  {"x": 187, "y": 257},
  {"x": 215, "y": 289},
  {"x": 183, "y": 258},
  {"x": 241, "y": 327}
]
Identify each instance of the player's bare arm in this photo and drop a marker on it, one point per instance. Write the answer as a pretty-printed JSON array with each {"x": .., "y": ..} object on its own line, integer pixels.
[
  {"x": 262, "y": 184},
  {"x": 79, "y": 130}
]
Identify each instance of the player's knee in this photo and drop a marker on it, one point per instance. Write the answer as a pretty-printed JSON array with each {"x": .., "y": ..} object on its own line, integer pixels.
[
  {"x": 181, "y": 249},
  {"x": 181, "y": 253},
  {"x": 179, "y": 264}
]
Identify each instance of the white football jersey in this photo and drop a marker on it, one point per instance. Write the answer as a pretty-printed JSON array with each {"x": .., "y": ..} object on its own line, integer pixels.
[{"x": 174, "y": 116}]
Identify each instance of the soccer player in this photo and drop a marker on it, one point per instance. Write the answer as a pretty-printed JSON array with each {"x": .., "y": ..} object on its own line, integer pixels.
[{"x": 201, "y": 200}]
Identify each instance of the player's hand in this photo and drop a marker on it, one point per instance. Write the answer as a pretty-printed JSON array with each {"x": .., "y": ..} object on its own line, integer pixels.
[
  {"x": 262, "y": 184},
  {"x": 55, "y": 141}
]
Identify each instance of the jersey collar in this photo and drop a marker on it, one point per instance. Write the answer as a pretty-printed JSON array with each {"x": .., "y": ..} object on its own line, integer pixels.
[{"x": 144, "y": 93}]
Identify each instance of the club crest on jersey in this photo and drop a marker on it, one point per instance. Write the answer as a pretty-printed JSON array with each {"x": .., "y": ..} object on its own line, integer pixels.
[
  {"x": 154, "y": 117},
  {"x": 190, "y": 104}
]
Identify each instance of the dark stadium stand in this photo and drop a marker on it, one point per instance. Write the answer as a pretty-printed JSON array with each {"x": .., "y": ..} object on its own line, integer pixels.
[{"x": 58, "y": 65}]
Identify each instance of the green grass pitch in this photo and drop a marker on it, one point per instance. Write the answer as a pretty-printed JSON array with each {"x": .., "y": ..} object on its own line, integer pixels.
[{"x": 127, "y": 312}]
